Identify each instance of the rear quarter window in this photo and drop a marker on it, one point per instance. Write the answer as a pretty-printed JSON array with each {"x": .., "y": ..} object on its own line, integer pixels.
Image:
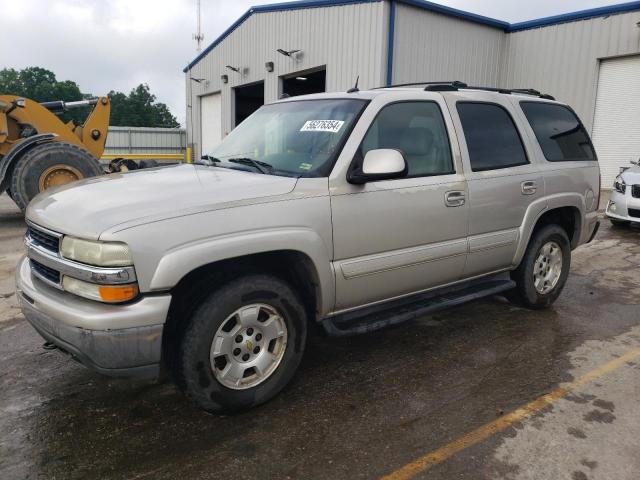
[{"x": 559, "y": 131}]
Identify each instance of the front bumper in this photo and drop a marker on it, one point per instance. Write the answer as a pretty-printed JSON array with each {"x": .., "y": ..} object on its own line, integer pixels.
[
  {"x": 117, "y": 340},
  {"x": 621, "y": 205}
]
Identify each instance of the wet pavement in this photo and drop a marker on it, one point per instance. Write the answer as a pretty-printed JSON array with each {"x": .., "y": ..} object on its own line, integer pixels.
[{"x": 359, "y": 407}]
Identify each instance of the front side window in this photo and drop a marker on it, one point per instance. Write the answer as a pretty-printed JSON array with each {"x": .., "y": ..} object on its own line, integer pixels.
[
  {"x": 559, "y": 132},
  {"x": 297, "y": 138},
  {"x": 492, "y": 138},
  {"x": 417, "y": 130}
]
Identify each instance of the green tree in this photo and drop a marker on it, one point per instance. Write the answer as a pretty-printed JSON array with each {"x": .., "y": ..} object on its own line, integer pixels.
[{"x": 138, "y": 109}]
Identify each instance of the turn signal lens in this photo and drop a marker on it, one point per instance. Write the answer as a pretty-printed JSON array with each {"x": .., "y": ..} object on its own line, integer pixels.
[
  {"x": 100, "y": 293},
  {"x": 117, "y": 294}
]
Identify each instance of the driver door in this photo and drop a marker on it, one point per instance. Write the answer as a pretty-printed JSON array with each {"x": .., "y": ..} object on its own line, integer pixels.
[{"x": 402, "y": 236}]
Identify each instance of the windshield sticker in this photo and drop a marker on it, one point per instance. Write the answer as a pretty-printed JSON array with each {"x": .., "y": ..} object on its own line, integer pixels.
[
  {"x": 332, "y": 126},
  {"x": 305, "y": 166}
]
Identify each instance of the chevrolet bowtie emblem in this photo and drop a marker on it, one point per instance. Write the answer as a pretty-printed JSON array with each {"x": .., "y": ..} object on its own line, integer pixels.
[{"x": 249, "y": 345}]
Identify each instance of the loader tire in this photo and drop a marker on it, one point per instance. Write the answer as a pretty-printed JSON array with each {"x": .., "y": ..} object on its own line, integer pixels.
[{"x": 49, "y": 165}]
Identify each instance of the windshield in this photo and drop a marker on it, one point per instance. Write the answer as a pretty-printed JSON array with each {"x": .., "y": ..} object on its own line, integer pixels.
[{"x": 298, "y": 138}]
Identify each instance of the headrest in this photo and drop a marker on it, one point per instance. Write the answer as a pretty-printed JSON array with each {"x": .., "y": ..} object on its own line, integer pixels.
[{"x": 416, "y": 141}]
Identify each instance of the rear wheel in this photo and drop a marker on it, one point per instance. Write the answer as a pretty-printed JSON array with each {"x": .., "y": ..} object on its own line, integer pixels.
[
  {"x": 544, "y": 269},
  {"x": 243, "y": 344},
  {"x": 50, "y": 165}
]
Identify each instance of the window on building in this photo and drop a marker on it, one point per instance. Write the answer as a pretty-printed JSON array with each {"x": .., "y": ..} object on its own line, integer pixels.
[
  {"x": 561, "y": 135},
  {"x": 492, "y": 138},
  {"x": 417, "y": 129}
]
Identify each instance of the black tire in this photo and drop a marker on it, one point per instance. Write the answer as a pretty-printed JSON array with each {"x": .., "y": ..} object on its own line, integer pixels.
[
  {"x": 34, "y": 163},
  {"x": 194, "y": 373},
  {"x": 619, "y": 223},
  {"x": 525, "y": 293}
]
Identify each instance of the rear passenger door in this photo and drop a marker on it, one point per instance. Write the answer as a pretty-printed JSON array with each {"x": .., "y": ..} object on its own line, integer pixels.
[{"x": 503, "y": 179}]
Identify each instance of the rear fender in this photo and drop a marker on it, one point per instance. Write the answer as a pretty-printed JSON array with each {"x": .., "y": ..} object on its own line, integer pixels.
[
  {"x": 10, "y": 159},
  {"x": 539, "y": 208}
]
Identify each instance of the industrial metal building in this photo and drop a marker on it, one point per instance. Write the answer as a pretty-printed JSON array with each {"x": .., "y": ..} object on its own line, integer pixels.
[{"x": 588, "y": 59}]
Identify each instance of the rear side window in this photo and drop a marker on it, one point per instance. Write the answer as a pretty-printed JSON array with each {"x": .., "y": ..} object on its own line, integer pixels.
[
  {"x": 560, "y": 133},
  {"x": 492, "y": 138}
]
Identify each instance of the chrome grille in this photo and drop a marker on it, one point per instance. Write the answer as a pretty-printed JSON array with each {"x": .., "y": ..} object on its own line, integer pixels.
[
  {"x": 45, "y": 272},
  {"x": 43, "y": 239}
]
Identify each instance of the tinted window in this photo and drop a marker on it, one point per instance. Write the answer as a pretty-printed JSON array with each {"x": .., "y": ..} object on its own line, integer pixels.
[
  {"x": 559, "y": 132},
  {"x": 492, "y": 138},
  {"x": 417, "y": 129}
]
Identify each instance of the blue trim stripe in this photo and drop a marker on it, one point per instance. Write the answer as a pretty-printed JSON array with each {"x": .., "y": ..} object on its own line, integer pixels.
[
  {"x": 454, "y": 12},
  {"x": 390, "y": 41},
  {"x": 571, "y": 17},
  {"x": 425, "y": 5}
]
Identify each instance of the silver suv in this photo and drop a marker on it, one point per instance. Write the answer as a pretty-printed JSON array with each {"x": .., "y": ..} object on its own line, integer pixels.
[{"x": 355, "y": 210}]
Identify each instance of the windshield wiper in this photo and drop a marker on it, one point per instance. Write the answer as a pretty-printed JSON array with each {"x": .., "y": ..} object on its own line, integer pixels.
[
  {"x": 258, "y": 165},
  {"x": 207, "y": 160}
]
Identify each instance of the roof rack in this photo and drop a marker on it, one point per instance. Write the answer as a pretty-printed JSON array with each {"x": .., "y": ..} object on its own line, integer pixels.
[{"x": 455, "y": 85}]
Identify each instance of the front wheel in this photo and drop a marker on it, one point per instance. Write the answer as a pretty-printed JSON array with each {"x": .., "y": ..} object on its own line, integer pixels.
[
  {"x": 544, "y": 269},
  {"x": 243, "y": 344}
]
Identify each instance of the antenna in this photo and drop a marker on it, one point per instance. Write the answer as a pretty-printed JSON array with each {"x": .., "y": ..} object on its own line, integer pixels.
[
  {"x": 355, "y": 88},
  {"x": 198, "y": 36}
]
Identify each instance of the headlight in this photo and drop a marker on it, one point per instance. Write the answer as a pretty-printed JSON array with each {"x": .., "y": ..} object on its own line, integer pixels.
[
  {"x": 619, "y": 184},
  {"x": 101, "y": 254},
  {"x": 101, "y": 293}
]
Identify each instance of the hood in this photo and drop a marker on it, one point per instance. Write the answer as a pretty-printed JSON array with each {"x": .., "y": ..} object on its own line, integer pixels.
[
  {"x": 631, "y": 176},
  {"x": 89, "y": 207}
]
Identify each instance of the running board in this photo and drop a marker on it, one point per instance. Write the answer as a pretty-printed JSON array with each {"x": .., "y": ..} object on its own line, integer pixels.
[{"x": 398, "y": 311}]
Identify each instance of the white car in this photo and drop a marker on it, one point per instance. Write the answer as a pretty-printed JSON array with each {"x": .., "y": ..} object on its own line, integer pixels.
[{"x": 624, "y": 204}]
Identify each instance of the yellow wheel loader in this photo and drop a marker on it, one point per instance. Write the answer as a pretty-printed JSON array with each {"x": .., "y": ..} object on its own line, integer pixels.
[{"x": 38, "y": 150}]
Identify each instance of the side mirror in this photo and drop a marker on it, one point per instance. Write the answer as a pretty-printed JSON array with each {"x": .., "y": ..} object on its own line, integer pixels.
[{"x": 380, "y": 164}]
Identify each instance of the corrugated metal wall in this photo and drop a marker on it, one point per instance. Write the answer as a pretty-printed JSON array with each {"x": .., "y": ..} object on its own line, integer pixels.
[
  {"x": 349, "y": 39},
  {"x": 564, "y": 59},
  {"x": 145, "y": 140},
  {"x": 430, "y": 46}
]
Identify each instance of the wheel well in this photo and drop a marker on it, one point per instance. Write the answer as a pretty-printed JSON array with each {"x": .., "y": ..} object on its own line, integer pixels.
[
  {"x": 292, "y": 266},
  {"x": 566, "y": 217}
]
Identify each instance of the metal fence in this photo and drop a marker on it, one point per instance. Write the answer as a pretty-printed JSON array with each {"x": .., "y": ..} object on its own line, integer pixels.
[{"x": 168, "y": 144}]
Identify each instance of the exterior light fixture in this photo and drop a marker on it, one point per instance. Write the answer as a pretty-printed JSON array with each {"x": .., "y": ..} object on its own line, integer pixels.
[
  {"x": 287, "y": 53},
  {"x": 224, "y": 78},
  {"x": 269, "y": 66},
  {"x": 197, "y": 80}
]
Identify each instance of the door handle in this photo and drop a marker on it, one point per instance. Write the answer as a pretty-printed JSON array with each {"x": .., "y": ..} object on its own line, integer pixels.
[
  {"x": 529, "y": 187},
  {"x": 455, "y": 198}
]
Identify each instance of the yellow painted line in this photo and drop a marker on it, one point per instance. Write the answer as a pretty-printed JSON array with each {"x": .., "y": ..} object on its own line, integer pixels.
[{"x": 433, "y": 458}]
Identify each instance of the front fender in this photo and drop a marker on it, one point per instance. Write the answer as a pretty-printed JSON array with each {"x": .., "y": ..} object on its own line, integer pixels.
[{"x": 177, "y": 263}]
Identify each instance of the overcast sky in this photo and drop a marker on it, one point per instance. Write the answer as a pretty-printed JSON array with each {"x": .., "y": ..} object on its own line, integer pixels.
[{"x": 117, "y": 44}]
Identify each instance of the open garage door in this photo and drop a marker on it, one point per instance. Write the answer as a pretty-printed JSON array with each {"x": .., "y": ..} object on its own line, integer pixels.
[
  {"x": 211, "y": 121},
  {"x": 248, "y": 99},
  {"x": 616, "y": 124},
  {"x": 305, "y": 83}
]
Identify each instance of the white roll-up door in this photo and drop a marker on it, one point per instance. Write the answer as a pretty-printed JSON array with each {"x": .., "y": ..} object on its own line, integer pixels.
[
  {"x": 210, "y": 121},
  {"x": 616, "y": 125}
]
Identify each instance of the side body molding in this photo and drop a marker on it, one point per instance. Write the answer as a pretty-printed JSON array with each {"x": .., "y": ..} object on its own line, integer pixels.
[{"x": 178, "y": 262}]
